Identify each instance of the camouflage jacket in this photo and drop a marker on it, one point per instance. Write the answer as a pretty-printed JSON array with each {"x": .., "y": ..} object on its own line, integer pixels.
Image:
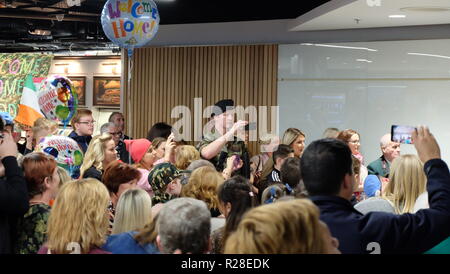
[{"x": 235, "y": 147}]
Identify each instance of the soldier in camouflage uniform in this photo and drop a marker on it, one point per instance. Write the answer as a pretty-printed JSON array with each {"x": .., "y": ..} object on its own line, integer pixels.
[
  {"x": 165, "y": 182},
  {"x": 221, "y": 142}
]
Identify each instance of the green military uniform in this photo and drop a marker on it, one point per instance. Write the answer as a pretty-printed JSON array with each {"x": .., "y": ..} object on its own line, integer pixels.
[
  {"x": 160, "y": 176},
  {"x": 379, "y": 167},
  {"x": 235, "y": 147}
]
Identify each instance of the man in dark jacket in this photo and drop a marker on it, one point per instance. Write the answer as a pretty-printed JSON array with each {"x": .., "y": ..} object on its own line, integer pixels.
[
  {"x": 13, "y": 190},
  {"x": 382, "y": 165},
  {"x": 118, "y": 119},
  {"x": 326, "y": 167},
  {"x": 113, "y": 130}
]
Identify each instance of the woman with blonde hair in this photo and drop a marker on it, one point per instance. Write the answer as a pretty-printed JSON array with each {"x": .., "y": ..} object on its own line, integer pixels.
[
  {"x": 296, "y": 139},
  {"x": 185, "y": 155},
  {"x": 202, "y": 185},
  {"x": 407, "y": 181},
  {"x": 285, "y": 227},
  {"x": 141, "y": 241},
  {"x": 78, "y": 222},
  {"x": 100, "y": 153},
  {"x": 64, "y": 176},
  {"x": 292, "y": 137},
  {"x": 43, "y": 127},
  {"x": 133, "y": 211}
]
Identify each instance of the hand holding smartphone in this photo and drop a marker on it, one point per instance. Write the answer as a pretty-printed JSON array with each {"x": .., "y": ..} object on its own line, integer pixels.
[
  {"x": 402, "y": 134},
  {"x": 236, "y": 161}
]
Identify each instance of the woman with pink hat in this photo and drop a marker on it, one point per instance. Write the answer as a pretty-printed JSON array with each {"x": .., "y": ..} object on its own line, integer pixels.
[{"x": 141, "y": 152}]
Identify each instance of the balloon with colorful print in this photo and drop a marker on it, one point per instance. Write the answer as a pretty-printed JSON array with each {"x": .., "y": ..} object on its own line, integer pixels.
[
  {"x": 130, "y": 24},
  {"x": 65, "y": 150},
  {"x": 58, "y": 99}
]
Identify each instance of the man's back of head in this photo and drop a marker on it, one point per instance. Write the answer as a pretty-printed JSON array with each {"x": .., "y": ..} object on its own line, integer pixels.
[
  {"x": 290, "y": 172},
  {"x": 324, "y": 165},
  {"x": 184, "y": 224}
]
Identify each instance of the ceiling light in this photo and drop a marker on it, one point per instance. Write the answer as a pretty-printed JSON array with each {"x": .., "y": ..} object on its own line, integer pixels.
[
  {"x": 429, "y": 55},
  {"x": 364, "y": 60},
  {"x": 397, "y": 16},
  {"x": 335, "y": 46}
]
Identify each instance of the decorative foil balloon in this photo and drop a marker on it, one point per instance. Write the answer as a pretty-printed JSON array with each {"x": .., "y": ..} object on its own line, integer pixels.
[
  {"x": 66, "y": 151},
  {"x": 58, "y": 99},
  {"x": 130, "y": 24}
]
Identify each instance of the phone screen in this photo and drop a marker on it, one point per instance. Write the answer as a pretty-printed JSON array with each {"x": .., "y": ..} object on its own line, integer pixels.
[
  {"x": 402, "y": 134},
  {"x": 251, "y": 126},
  {"x": 236, "y": 161}
]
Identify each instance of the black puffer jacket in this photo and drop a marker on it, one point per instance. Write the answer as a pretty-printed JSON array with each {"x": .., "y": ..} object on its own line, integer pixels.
[{"x": 13, "y": 201}]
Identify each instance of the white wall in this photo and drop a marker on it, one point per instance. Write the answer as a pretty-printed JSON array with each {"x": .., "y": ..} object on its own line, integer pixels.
[
  {"x": 322, "y": 87},
  {"x": 90, "y": 68}
]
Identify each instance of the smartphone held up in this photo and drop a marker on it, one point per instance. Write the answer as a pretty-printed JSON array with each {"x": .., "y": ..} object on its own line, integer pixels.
[{"x": 402, "y": 134}]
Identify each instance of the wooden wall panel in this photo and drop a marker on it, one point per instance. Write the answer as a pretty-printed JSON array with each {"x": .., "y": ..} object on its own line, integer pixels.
[{"x": 163, "y": 78}]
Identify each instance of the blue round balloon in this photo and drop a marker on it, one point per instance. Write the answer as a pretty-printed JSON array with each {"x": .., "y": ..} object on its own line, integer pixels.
[{"x": 130, "y": 23}]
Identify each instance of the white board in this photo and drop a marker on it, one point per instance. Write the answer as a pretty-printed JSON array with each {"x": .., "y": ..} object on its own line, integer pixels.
[{"x": 367, "y": 87}]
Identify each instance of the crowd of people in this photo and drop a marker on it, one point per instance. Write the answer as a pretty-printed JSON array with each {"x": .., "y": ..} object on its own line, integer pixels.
[{"x": 162, "y": 195}]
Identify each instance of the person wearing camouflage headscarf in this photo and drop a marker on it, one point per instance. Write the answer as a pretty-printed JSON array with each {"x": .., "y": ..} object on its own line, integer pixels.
[{"x": 165, "y": 182}]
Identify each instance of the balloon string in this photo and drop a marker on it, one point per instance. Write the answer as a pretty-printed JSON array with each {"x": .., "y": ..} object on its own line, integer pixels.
[{"x": 130, "y": 73}]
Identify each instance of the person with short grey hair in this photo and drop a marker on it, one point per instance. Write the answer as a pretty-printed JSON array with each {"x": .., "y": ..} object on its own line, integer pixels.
[
  {"x": 390, "y": 150},
  {"x": 184, "y": 226},
  {"x": 115, "y": 132},
  {"x": 193, "y": 166},
  {"x": 111, "y": 129},
  {"x": 105, "y": 128},
  {"x": 330, "y": 132},
  {"x": 199, "y": 163}
]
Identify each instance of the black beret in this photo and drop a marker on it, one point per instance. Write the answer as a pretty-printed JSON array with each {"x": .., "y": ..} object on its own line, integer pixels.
[{"x": 222, "y": 106}]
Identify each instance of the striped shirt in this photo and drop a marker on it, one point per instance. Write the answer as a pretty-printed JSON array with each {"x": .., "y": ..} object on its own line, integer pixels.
[{"x": 274, "y": 176}]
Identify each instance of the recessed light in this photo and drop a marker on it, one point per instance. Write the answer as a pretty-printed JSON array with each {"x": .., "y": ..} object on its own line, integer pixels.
[
  {"x": 397, "y": 16},
  {"x": 335, "y": 46},
  {"x": 429, "y": 55},
  {"x": 364, "y": 60}
]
